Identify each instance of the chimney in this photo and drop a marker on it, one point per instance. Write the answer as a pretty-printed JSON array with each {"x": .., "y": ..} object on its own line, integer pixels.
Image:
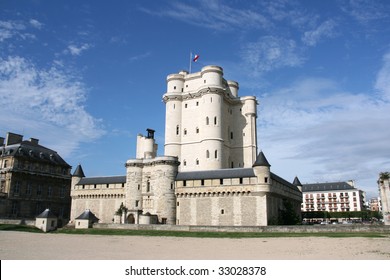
[
  {"x": 2, "y": 141},
  {"x": 34, "y": 141},
  {"x": 13, "y": 138},
  {"x": 351, "y": 183}
]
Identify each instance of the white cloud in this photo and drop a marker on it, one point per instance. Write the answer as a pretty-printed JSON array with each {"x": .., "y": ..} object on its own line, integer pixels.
[
  {"x": 140, "y": 56},
  {"x": 324, "y": 30},
  {"x": 270, "y": 53},
  {"x": 9, "y": 29},
  {"x": 319, "y": 132},
  {"x": 77, "y": 50},
  {"x": 290, "y": 12},
  {"x": 213, "y": 14},
  {"x": 48, "y": 104},
  {"x": 383, "y": 78},
  {"x": 36, "y": 24},
  {"x": 365, "y": 11}
]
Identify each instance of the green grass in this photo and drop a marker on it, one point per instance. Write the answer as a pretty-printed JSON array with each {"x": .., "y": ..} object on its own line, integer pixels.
[
  {"x": 9, "y": 227},
  {"x": 220, "y": 234},
  {"x": 200, "y": 234}
]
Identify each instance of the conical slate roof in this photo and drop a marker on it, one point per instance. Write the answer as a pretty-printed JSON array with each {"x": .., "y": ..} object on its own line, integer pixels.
[
  {"x": 87, "y": 215},
  {"x": 47, "y": 214},
  {"x": 79, "y": 172},
  {"x": 261, "y": 160},
  {"x": 296, "y": 182}
]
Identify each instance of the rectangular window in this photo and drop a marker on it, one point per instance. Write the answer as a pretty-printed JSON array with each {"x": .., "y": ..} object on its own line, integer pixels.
[
  {"x": 28, "y": 189},
  {"x": 136, "y": 203},
  {"x": 39, "y": 190},
  {"x": 17, "y": 187},
  {"x": 14, "y": 208},
  {"x": 184, "y": 183},
  {"x": 265, "y": 179}
]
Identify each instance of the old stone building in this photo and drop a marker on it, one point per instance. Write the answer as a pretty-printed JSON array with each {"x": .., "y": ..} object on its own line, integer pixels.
[
  {"x": 210, "y": 173},
  {"x": 32, "y": 178}
]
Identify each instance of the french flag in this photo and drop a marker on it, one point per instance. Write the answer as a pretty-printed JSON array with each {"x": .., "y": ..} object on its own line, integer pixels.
[{"x": 196, "y": 57}]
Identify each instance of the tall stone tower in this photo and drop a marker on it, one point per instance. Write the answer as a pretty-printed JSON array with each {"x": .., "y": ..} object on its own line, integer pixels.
[
  {"x": 150, "y": 182},
  {"x": 208, "y": 126}
]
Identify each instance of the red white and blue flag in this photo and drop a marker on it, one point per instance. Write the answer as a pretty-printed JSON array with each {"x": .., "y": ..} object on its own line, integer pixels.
[{"x": 196, "y": 57}]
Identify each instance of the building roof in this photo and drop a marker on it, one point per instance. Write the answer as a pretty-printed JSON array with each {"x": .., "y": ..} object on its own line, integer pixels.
[
  {"x": 227, "y": 173},
  {"x": 283, "y": 181},
  {"x": 102, "y": 180},
  {"x": 79, "y": 172},
  {"x": 261, "y": 160},
  {"x": 216, "y": 174},
  {"x": 47, "y": 214},
  {"x": 87, "y": 215},
  {"x": 322, "y": 187},
  {"x": 296, "y": 182},
  {"x": 31, "y": 150}
]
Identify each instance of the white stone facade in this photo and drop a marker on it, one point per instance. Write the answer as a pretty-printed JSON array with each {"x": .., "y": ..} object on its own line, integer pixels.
[
  {"x": 208, "y": 126},
  {"x": 102, "y": 195},
  {"x": 332, "y": 197}
]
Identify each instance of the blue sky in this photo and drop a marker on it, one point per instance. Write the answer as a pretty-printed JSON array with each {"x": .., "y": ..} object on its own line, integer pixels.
[{"x": 85, "y": 77}]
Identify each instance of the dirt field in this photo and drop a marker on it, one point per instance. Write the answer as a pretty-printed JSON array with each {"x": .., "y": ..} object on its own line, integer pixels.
[{"x": 35, "y": 246}]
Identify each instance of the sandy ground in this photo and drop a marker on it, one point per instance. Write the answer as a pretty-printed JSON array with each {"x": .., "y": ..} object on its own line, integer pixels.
[{"x": 35, "y": 246}]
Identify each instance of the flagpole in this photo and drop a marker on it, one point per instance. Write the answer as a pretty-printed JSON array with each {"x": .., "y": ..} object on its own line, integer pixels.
[{"x": 190, "y": 60}]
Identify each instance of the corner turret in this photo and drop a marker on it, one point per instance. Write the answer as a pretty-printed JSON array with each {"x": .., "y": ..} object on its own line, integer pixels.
[
  {"x": 297, "y": 183},
  {"x": 262, "y": 169},
  {"x": 77, "y": 175}
]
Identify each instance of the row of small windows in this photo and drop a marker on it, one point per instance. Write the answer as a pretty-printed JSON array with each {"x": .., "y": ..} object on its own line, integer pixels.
[
  {"x": 230, "y": 110},
  {"x": 149, "y": 187},
  {"x": 97, "y": 196},
  {"x": 175, "y": 87},
  {"x": 202, "y": 181},
  {"x": 95, "y": 186},
  {"x": 207, "y": 156},
  {"x": 38, "y": 167},
  {"x": 197, "y": 128},
  {"x": 39, "y": 207},
  {"x": 197, "y": 104},
  {"x": 50, "y": 190}
]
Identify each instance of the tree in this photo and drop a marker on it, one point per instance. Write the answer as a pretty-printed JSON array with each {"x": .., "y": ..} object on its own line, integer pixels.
[
  {"x": 121, "y": 209},
  {"x": 287, "y": 215}
]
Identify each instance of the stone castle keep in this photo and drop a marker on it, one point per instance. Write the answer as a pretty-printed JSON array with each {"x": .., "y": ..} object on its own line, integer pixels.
[{"x": 210, "y": 173}]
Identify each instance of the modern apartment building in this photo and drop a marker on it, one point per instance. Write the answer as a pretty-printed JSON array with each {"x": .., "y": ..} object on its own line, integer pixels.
[{"x": 332, "y": 197}]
